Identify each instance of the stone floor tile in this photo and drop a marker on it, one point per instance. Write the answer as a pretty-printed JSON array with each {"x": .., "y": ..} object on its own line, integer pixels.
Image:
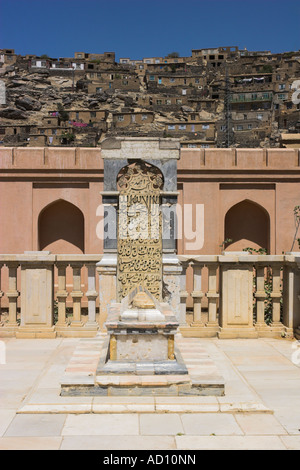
[
  {"x": 229, "y": 443},
  {"x": 102, "y": 425},
  {"x": 123, "y": 408},
  {"x": 206, "y": 424},
  {"x": 291, "y": 442},
  {"x": 73, "y": 407},
  {"x": 30, "y": 443},
  {"x": 118, "y": 443},
  {"x": 186, "y": 400},
  {"x": 36, "y": 425},
  {"x": 52, "y": 396},
  {"x": 188, "y": 408},
  {"x": 6, "y": 416},
  {"x": 160, "y": 424},
  {"x": 124, "y": 400},
  {"x": 289, "y": 417},
  {"x": 259, "y": 424}
]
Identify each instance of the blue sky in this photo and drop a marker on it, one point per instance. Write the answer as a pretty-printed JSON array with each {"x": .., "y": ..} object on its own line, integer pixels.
[{"x": 137, "y": 29}]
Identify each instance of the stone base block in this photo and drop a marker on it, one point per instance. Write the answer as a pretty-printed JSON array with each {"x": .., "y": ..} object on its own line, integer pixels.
[
  {"x": 195, "y": 331},
  {"x": 76, "y": 332},
  {"x": 289, "y": 332},
  {"x": 106, "y": 366},
  {"x": 8, "y": 331},
  {"x": 175, "y": 389},
  {"x": 271, "y": 332},
  {"x": 230, "y": 333},
  {"x": 297, "y": 333},
  {"x": 31, "y": 332}
]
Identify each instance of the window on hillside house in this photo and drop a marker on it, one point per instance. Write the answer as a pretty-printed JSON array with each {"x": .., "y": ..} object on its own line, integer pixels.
[
  {"x": 121, "y": 118},
  {"x": 205, "y": 126},
  {"x": 171, "y": 127},
  {"x": 144, "y": 117},
  {"x": 182, "y": 127}
]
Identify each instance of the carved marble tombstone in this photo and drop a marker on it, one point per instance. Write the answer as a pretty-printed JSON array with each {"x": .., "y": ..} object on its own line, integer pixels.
[
  {"x": 141, "y": 326},
  {"x": 140, "y": 175},
  {"x": 140, "y": 232}
]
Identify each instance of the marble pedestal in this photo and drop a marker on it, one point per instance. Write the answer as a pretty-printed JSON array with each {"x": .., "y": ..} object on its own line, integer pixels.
[{"x": 140, "y": 346}]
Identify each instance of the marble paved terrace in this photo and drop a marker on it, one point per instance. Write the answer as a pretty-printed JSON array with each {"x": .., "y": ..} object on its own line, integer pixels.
[{"x": 260, "y": 410}]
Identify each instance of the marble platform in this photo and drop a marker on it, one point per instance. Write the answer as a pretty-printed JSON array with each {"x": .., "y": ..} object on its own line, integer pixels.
[{"x": 86, "y": 374}]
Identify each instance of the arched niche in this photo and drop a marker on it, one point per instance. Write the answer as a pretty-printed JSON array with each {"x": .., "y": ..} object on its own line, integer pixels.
[
  {"x": 247, "y": 224},
  {"x": 61, "y": 228}
]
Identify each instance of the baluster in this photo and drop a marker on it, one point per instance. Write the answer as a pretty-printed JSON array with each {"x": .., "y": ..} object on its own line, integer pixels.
[
  {"x": 61, "y": 294},
  {"x": 91, "y": 296},
  {"x": 197, "y": 294},
  {"x": 183, "y": 293},
  {"x": 76, "y": 295},
  {"x": 212, "y": 296},
  {"x": 12, "y": 295},
  {"x": 260, "y": 296},
  {"x": 276, "y": 296}
]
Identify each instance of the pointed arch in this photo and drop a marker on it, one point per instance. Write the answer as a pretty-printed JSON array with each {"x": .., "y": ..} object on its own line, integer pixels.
[
  {"x": 140, "y": 168},
  {"x": 247, "y": 224},
  {"x": 61, "y": 228}
]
